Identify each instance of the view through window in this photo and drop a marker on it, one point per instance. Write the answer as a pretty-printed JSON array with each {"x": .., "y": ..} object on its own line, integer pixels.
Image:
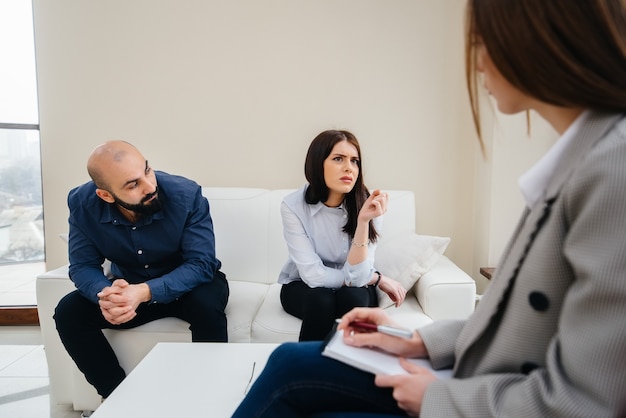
[{"x": 21, "y": 214}]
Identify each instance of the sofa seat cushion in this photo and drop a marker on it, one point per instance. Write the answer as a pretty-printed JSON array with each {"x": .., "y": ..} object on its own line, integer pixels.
[
  {"x": 409, "y": 315},
  {"x": 163, "y": 325},
  {"x": 131, "y": 345},
  {"x": 244, "y": 302},
  {"x": 272, "y": 324}
]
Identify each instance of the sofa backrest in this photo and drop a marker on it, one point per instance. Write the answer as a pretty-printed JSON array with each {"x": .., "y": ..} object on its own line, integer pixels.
[{"x": 249, "y": 233}]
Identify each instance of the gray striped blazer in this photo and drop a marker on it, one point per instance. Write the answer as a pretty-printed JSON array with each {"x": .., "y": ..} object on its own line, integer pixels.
[{"x": 549, "y": 336}]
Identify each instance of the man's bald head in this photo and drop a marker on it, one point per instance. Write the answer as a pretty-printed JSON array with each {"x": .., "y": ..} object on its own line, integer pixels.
[{"x": 101, "y": 158}]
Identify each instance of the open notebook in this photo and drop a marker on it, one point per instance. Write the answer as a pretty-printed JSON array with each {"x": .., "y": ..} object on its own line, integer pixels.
[{"x": 371, "y": 360}]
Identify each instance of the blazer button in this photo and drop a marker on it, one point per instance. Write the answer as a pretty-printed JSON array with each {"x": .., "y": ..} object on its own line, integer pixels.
[
  {"x": 528, "y": 367},
  {"x": 539, "y": 301}
]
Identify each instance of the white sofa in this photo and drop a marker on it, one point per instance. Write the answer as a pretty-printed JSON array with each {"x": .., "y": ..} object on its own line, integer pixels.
[{"x": 251, "y": 247}]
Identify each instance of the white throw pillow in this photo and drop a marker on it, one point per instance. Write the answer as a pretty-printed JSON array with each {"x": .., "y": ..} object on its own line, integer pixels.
[{"x": 405, "y": 258}]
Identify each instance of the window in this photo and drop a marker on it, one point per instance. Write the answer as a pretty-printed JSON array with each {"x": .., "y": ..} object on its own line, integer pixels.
[{"x": 21, "y": 216}]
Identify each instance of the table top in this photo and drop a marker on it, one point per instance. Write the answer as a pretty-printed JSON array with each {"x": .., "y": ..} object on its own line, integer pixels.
[
  {"x": 188, "y": 379},
  {"x": 487, "y": 272}
]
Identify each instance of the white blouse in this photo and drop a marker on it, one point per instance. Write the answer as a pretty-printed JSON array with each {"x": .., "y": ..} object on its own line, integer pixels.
[{"x": 318, "y": 247}]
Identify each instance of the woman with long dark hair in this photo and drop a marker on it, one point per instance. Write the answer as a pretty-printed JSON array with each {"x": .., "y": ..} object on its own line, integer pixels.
[{"x": 331, "y": 228}]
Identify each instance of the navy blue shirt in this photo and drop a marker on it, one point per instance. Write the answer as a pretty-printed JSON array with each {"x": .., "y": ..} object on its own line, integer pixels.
[{"x": 173, "y": 251}]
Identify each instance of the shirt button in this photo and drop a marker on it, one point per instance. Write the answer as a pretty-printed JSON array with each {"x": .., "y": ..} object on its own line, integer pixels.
[
  {"x": 345, "y": 216},
  {"x": 134, "y": 228},
  {"x": 146, "y": 266},
  {"x": 139, "y": 252}
]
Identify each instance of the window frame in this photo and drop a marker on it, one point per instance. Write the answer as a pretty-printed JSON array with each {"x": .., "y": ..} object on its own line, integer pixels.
[
  {"x": 26, "y": 314},
  {"x": 23, "y": 314}
]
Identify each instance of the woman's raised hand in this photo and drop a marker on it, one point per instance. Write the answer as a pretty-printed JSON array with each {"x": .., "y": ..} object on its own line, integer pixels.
[{"x": 374, "y": 206}]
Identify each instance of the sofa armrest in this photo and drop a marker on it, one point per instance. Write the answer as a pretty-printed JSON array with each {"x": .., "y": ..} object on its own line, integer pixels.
[
  {"x": 51, "y": 286},
  {"x": 446, "y": 292}
]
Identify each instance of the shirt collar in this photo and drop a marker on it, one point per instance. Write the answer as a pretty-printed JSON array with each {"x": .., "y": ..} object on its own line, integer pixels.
[
  {"x": 321, "y": 206},
  {"x": 533, "y": 183}
]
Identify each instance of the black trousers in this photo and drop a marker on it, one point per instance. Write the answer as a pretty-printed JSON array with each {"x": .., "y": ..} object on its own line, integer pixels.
[
  {"x": 80, "y": 324},
  {"x": 318, "y": 307}
]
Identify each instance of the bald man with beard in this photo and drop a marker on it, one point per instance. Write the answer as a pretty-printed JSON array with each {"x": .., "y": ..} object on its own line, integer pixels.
[{"x": 156, "y": 230}]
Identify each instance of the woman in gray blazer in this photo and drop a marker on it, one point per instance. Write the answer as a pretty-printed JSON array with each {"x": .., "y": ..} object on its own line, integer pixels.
[{"x": 549, "y": 335}]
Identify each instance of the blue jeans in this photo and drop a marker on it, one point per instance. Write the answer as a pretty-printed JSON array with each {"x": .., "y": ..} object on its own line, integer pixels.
[{"x": 299, "y": 382}]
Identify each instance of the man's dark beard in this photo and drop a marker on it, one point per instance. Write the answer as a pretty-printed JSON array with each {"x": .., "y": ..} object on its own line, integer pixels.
[{"x": 142, "y": 208}]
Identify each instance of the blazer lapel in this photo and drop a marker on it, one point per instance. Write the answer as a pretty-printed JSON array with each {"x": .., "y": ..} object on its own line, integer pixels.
[{"x": 495, "y": 299}]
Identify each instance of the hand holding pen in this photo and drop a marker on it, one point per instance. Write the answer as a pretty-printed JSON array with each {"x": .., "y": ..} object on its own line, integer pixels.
[{"x": 386, "y": 336}]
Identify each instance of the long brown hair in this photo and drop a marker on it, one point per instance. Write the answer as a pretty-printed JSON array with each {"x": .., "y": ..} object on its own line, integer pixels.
[
  {"x": 317, "y": 191},
  {"x": 563, "y": 52}
]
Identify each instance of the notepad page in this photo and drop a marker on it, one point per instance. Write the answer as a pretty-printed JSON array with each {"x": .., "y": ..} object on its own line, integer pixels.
[{"x": 373, "y": 361}]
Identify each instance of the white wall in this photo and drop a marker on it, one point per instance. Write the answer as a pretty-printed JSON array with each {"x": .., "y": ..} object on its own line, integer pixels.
[
  {"x": 20, "y": 335},
  {"x": 230, "y": 93},
  {"x": 513, "y": 146}
]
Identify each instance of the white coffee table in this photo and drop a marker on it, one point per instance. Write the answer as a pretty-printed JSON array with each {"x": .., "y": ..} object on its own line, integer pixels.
[{"x": 188, "y": 380}]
